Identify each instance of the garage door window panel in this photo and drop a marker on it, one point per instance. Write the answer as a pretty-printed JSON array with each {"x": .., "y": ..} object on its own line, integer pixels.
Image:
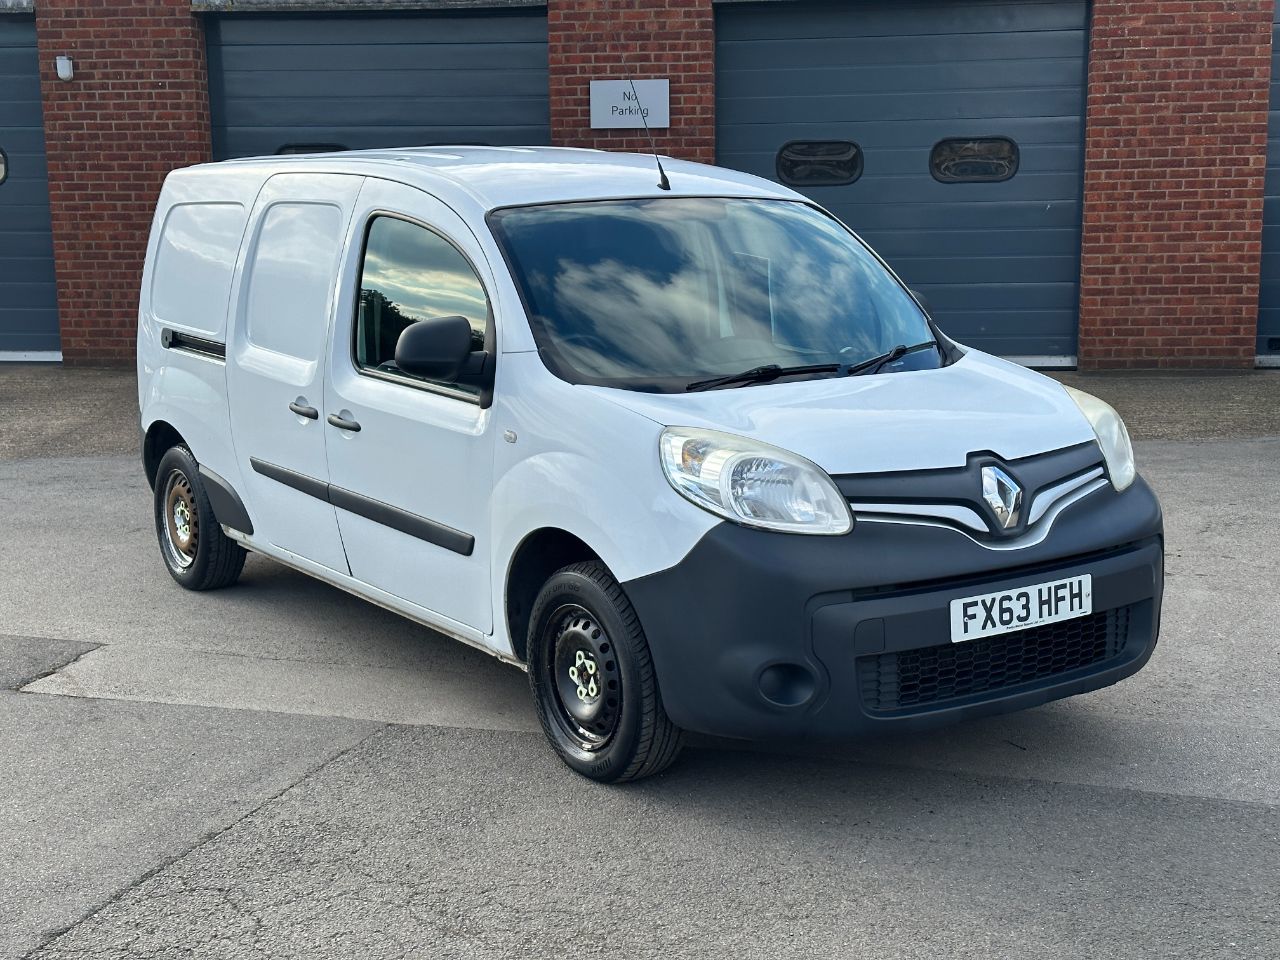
[
  {"x": 412, "y": 273},
  {"x": 974, "y": 160},
  {"x": 819, "y": 163}
]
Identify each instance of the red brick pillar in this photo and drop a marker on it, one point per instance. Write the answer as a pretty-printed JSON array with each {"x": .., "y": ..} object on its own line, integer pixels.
[
  {"x": 137, "y": 107},
  {"x": 1175, "y": 156},
  {"x": 618, "y": 39}
]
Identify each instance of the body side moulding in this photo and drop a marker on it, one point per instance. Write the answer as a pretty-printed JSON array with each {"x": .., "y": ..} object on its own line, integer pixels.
[{"x": 414, "y": 525}]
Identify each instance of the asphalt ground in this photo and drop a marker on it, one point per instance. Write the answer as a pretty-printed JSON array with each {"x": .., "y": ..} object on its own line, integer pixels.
[{"x": 282, "y": 770}]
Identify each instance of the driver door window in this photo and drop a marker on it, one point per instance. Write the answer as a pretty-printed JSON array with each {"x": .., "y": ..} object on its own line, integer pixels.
[{"x": 410, "y": 273}]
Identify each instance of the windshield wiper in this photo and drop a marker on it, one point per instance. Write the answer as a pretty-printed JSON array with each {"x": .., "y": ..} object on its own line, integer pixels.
[
  {"x": 897, "y": 353},
  {"x": 770, "y": 371}
]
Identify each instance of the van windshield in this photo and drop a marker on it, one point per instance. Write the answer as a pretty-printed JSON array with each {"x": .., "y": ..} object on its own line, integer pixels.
[{"x": 658, "y": 294}]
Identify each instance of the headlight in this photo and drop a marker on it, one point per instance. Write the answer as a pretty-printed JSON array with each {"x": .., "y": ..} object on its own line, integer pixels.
[
  {"x": 1112, "y": 436},
  {"x": 752, "y": 483}
]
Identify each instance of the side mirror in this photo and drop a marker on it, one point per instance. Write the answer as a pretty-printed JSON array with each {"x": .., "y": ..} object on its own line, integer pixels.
[
  {"x": 920, "y": 299},
  {"x": 436, "y": 349}
]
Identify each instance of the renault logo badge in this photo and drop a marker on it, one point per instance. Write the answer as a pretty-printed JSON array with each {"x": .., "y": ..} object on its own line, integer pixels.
[{"x": 1003, "y": 496}]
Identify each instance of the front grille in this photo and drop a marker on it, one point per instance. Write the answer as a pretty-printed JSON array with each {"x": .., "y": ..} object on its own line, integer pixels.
[
  {"x": 952, "y": 496},
  {"x": 932, "y": 675}
]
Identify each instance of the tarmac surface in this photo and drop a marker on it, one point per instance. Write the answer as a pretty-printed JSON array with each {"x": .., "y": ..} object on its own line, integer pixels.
[{"x": 279, "y": 769}]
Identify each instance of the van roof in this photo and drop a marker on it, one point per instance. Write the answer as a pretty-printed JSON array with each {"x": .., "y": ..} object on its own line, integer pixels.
[{"x": 492, "y": 177}]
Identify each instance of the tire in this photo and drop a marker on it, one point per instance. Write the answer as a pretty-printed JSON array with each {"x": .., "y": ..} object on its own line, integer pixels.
[
  {"x": 593, "y": 680},
  {"x": 195, "y": 551}
]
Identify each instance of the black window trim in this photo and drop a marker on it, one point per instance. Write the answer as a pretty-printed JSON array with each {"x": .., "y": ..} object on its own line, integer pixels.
[
  {"x": 485, "y": 398},
  {"x": 1017, "y": 158},
  {"x": 777, "y": 163}
]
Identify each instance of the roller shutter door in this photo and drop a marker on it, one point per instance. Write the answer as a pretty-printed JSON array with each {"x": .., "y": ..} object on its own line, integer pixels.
[
  {"x": 28, "y": 294},
  {"x": 999, "y": 262},
  {"x": 303, "y": 81},
  {"x": 1269, "y": 305}
]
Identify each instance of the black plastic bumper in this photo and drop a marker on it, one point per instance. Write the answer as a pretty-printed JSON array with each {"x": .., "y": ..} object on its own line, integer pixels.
[{"x": 762, "y": 635}]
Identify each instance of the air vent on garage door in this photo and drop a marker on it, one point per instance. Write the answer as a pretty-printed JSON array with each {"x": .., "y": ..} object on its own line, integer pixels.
[
  {"x": 967, "y": 118},
  {"x": 277, "y": 82},
  {"x": 28, "y": 296}
]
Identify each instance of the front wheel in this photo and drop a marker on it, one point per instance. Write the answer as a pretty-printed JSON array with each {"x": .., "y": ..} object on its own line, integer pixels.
[
  {"x": 196, "y": 552},
  {"x": 593, "y": 679}
]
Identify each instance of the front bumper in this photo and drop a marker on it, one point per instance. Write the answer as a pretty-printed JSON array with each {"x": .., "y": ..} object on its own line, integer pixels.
[{"x": 762, "y": 635}]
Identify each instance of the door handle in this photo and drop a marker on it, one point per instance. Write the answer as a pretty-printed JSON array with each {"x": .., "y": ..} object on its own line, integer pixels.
[
  {"x": 343, "y": 424},
  {"x": 302, "y": 410}
]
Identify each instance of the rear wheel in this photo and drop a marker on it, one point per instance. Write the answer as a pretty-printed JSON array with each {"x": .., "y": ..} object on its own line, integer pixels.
[
  {"x": 196, "y": 552},
  {"x": 593, "y": 679}
]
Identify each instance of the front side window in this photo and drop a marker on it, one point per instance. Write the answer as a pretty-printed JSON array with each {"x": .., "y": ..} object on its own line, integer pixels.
[
  {"x": 656, "y": 294},
  {"x": 411, "y": 273}
]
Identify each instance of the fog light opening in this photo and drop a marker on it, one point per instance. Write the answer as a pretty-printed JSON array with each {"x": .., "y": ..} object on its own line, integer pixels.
[{"x": 787, "y": 684}]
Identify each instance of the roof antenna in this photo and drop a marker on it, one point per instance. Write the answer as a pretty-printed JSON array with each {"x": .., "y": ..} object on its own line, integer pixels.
[{"x": 663, "y": 182}]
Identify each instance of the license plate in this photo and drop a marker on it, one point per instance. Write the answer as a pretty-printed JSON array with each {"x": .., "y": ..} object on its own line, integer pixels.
[{"x": 990, "y": 614}]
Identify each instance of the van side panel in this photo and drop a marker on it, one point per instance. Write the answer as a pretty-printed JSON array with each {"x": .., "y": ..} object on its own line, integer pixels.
[
  {"x": 283, "y": 302},
  {"x": 195, "y": 241},
  {"x": 581, "y": 467},
  {"x": 195, "y": 260}
]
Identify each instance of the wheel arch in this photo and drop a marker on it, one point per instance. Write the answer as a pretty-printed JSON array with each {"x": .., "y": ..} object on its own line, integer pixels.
[
  {"x": 540, "y": 554},
  {"x": 227, "y": 505},
  {"x": 159, "y": 438}
]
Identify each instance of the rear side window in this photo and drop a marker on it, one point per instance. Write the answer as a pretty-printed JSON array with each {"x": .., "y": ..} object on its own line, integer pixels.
[
  {"x": 292, "y": 278},
  {"x": 195, "y": 260},
  {"x": 819, "y": 163},
  {"x": 411, "y": 273},
  {"x": 976, "y": 160}
]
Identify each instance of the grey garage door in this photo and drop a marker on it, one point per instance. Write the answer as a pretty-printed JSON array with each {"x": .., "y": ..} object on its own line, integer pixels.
[
  {"x": 301, "y": 81},
  {"x": 1269, "y": 304},
  {"x": 28, "y": 295},
  {"x": 968, "y": 118}
]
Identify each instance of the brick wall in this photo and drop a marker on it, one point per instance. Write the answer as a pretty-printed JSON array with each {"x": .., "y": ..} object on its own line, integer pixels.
[
  {"x": 137, "y": 108},
  {"x": 1174, "y": 166},
  {"x": 617, "y": 39}
]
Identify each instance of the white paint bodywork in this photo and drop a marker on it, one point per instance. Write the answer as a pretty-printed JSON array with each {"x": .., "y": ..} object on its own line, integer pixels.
[
  {"x": 283, "y": 288},
  {"x": 584, "y": 459},
  {"x": 425, "y": 451},
  {"x": 915, "y": 420}
]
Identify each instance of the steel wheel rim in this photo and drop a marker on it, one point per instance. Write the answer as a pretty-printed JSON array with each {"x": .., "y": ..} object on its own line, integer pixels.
[
  {"x": 583, "y": 676},
  {"x": 181, "y": 520}
]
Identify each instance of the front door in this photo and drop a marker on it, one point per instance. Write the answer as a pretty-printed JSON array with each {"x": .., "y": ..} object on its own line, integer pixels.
[
  {"x": 411, "y": 460},
  {"x": 275, "y": 369}
]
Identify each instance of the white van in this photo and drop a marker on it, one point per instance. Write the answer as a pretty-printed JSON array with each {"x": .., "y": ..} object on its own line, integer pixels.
[{"x": 692, "y": 456}]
